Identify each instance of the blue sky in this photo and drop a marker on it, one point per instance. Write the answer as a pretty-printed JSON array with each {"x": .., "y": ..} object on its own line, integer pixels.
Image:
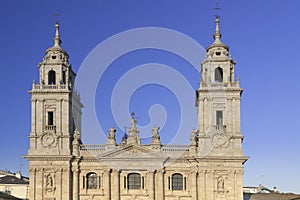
[{"x": 264, "y": 41}]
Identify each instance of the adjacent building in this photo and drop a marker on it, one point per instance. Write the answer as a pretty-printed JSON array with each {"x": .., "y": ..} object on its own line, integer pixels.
[
  {"x": 209, "y": 168},
  {"x": 13, "y": 185}
]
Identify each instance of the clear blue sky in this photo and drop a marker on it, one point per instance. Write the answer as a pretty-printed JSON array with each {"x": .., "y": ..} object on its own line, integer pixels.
[{"x": 264, "y": 41}]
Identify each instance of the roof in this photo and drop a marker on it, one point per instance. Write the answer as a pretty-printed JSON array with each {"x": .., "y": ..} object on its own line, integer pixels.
[
  {"x": 5, "y": 172},
  {"x": 12, "y": 180},
  {"x": 271, "y": 196},
  {"x": 4, "y": 196}
]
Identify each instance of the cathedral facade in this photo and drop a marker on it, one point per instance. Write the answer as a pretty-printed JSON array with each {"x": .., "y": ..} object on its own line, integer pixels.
[{"x": 62, "y": 168}]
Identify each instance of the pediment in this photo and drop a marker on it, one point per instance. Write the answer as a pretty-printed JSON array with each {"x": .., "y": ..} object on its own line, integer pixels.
[
  {"x": 132, "y": 152},
  {"x": 133, "y": 157}
]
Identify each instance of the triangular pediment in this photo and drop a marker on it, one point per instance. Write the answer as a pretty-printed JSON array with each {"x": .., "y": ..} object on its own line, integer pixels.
[
  {"x": 132, "y": 151},
  {"x": 133, "y": 157}
]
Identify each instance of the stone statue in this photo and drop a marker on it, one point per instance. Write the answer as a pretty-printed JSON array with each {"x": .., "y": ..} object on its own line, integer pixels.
[
  {"x": 194, "y": 135},
  {"x": 133, "y": 121},
  {"x": 112, "y": 133},
  {"x": 220, "y": 184},
  {"x": 76, "y": 135},
  {"x": 155, "y": 132},
  {"x": 155, "y": 143},
  {"x": 49, "y": 181}
]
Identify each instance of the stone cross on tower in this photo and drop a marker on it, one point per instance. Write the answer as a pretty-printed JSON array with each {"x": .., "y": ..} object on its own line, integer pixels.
[
  {"x": 57, "y": 15},
  {"x": 217, "y": 8}
]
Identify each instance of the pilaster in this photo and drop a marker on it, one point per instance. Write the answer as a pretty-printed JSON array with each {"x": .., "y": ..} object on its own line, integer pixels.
[
  {"x": 116, "y": 184},
  {"x": 193, "y": 184},
  {"x": 151, "y": 185},
  {"x": 160, "y": 185},
  {"x": 107, "y": 184},
  {"x": 75, "y": 184}
]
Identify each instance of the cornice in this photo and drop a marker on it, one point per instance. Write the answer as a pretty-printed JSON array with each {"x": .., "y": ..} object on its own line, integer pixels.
[{"x": 48, "y": 158}]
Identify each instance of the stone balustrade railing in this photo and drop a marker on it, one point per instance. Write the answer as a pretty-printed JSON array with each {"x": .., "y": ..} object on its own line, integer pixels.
[
  {"x": 174, "y": 148},
  {"x": 92, "y": 147},
  {"x": 48, "y": 87},
  {"x": 50, "y": 128}
]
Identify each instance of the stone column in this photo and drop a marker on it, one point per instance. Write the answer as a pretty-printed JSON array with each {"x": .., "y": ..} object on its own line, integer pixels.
[
  {"x": 151, "y": 186},
  {"x": 116, "y": 185},
  {"x": 41, "y": 118},
  {"x": 210, "y": 186},
  {"x": 238, "y": 176},
  {"x": 32, "y": 184},
  {"x": 107, "y": 184},
  {"x": 75, "y": 185},
  {"x": 33, "y": 116},
  {"x": 201, "y": 185},
  {"x": 160, "y": 185},
  {"x": 193, "y": 184}
]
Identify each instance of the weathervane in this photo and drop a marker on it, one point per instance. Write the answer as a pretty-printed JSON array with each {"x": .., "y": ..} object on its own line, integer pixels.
[{"x": 217, "y": 8}]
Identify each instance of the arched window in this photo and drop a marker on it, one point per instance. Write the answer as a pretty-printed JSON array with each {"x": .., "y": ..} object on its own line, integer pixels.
[
  {"x": 134, "y": 181},
  {"x": 177, "y": 182},
  {"x": 219, "y": 74},
  {"x": 91, "y": 181},
  {"x": 51, "y": 77}
]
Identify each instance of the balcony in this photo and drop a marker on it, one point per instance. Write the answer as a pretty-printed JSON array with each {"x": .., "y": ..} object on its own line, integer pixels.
[
  {"x": 220, "y": 84},
  {"x": 48, "y": 87},
  {"x": 221, "y": 128},
  {"x": 51, "y": 128}
]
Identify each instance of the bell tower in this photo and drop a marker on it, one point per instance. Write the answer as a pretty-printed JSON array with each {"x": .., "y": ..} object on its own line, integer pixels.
[
  {"x": 56, "y": 114},
  {"x": 218, "y": 102}
]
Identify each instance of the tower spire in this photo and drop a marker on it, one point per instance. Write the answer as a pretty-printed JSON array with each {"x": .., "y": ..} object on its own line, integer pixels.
[
  {"x": 56, "y": 39},
  {"x": 217, "y": 37},
  {"x": 217, "y": 34}
]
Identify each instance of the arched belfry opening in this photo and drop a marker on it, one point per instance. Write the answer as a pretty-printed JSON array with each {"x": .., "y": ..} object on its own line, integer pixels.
[
  {"x": 51, "y": 77},
  {"x": 218, "y": 74}
]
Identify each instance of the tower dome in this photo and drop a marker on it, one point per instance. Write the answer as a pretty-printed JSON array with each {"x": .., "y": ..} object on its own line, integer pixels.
[{"x": 217, "y": 48}]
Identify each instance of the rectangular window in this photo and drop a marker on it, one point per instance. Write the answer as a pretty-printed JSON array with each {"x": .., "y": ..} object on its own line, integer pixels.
[
  {"x": 7, "y": 190},
  {"x": 50, "y": 118},
  {"x": 99, "y": 180},
  {"x": 184, "y": 183},
  {"x": 125, "y": 182},
  {"x": 169, "y": 183},
  {"x": 64, "y": 77},
  {"x": 219, "y": 118},
  {"x": 134, "y": 181},
  {"x": 177, "y": 182},
  {"x": 142, "y": 182}
]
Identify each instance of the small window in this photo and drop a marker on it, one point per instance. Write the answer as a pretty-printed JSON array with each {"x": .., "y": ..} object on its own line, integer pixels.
[
  {"x": 219, "y": 74},
  {"x": 64, "y": 77},
  {"x": 134, "y": 181},
  {"x": 7, "y": 190},
  {"x": 51, "y": 77},
  {"x": 91, "y": 181},
  {"x": 125, "y": 182},
  {"x": 50, "y": 118},
  {"x": 219, "y": 118},
  {"x": 177, "y": 182},
  {"x": 83, "y": 182},
  {"x": 218, "y": 53}
]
